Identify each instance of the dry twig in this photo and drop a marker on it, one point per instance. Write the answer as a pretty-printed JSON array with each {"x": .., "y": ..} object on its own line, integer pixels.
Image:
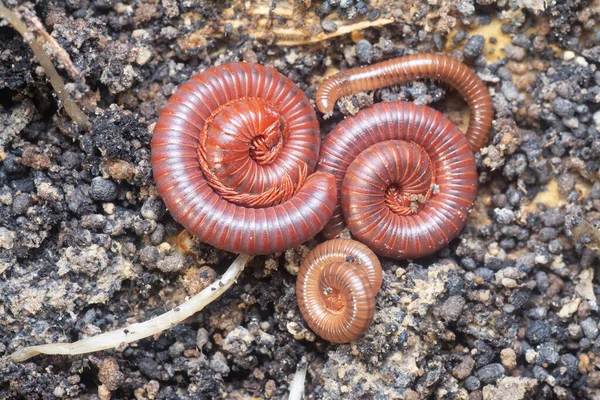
[{"x": 55, "y": 80}]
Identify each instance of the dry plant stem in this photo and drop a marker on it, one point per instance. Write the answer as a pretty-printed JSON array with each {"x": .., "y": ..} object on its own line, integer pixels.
[
  {"x": 264, "y": 22},
  {"x": 145, "y": 329},
  {"x": 55, "y": 80},
  {"x": 60, "y": 56}
]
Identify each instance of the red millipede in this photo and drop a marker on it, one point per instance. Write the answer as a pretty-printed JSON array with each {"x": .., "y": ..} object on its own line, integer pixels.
[
  {"x": 407, "y": 68},
  {"x": 406, "y": 177},
  {"x": 232, "y": 154},
  {"x": 336, "y": 289}
]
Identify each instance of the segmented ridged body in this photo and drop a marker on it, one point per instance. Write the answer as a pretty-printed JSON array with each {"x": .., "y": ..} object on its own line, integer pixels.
[
  {"x": 336, "y": 289},
  {"x": 408, "y": 68},
  {"x": 388, "y": 201},
  {"x": 232, "y": 155}
]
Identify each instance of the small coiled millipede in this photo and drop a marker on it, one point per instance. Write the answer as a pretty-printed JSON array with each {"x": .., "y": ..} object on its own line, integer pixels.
[
  {"x": 232, "y": 154},
  {"x": 407, "y": 68},
  {"x": 336, "y": 289},
  {"x": 406, "y": 175}
]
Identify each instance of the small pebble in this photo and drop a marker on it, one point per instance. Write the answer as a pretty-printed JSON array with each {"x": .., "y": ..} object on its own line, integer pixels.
[
  {"x": 468, "y": 263},
  {"x": 530, "y": 356},
  {"x": 329, "y": 26},
  {"x": 510, "y": 91},
  {"x": 553, "y": 218},
  {"x": 555, "y": 246},
  {"x": 490, "y": 373},
  {"x": 486, "y": 273},
  {"x": 21, "y": 203},
  {"x": 593, "y": 379},
  {"x": 572, "y": 123},
  {"x": 150, "y": 368},
  {"x": 504, "y": 216},
  {"x": 153, "y": 209},
  {"x": 7, "y": 238},
  {"x": 547, "y": 354},
  {"x": 540, "y": 373},
  {"x": 198, "y": 279},
  {"x": 521, "y": 40},
  {"x": 508, "y": 358},
  {"x": 102, "y": 189},
  {"x": 568, "y": 55},
  {"x": 538, "y": 332},
  {"x": 485, "y": 354},
  {"x": 109, "y": 374},
  {"x": 519, "y": 298},
  {"x": 472, "y": 383},
  {"x": 171, "y": 263},
  {"x": 158, "y": 236},
  {"x": 515, "y": 53},
  {"x": 563, "y": 108},
  {"x": 537, "y": 312},
  {"x": 460, "y": 36},
  {"x": 176, "y": 350},
  {"x": 93, "y": 221},
  {"x": 575, "y": 331},
  {"x": 69, "y": 160},
  {"x": 590, "y": 328},
  {"x": 474, "y": 46},
  {"x": 202, "y": 338},
  {"x": 218, "y": 363},
  {"x": 374, "y": 14},
  {"x": 464, "y": 368},
  {"x": 547, "y": 234},
  {"x": 6, "y": 196},
  {"x": 452, "y": 308},
  {"x": 364, "y": 51},
  {"x": 149, "y": 255}
]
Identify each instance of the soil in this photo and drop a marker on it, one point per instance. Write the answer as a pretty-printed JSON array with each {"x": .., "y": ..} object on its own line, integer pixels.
[{"x": 507, "y": 311}]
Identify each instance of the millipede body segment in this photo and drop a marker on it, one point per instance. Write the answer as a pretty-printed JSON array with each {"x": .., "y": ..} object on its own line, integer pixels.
[
  {"x": 407, "y": 68},
  {"x": 336, "y": 289},
  {"x": 233, "y": 154},
  {"x": 406, "y": 179}
]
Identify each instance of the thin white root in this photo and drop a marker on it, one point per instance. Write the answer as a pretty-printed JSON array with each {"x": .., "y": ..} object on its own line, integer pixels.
[
  {"x": 55, "y": 80},
  {"x": 297, "y": 385},
  {"x": 142, "y": 330}
]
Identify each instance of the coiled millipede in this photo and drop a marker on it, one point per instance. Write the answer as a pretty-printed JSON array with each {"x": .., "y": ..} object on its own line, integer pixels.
[
  {"x": 407, "y": 178},
  {"x": 406, "y": 175},
  {"x": 336, "y": 289},
  {"x": 408, "y": 68},
  {"x": 232, "y": 154}
]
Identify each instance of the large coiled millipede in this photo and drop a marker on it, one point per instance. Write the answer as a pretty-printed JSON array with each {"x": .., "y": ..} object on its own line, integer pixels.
[
  {"x": 407, "y": 68},
  {"x": 406, "y": 175},
  {"x": 232, "y": 154},
  {"x": 336, "y": 289}
]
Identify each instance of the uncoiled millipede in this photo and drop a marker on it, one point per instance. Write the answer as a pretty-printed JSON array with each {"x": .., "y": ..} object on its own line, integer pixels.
[
  {"x": 407, "y": 68},
  {"x": 232, "y": 154},
  {"x": 336, "y": 289},
  {"x": 406, "y": 177}
]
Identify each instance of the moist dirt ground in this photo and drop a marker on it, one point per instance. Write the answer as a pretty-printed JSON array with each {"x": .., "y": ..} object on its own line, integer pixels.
[{"x": 507, "y": 311}]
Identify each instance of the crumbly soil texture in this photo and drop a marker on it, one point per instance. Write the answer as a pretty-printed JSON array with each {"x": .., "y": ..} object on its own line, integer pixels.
[{"x": 507, "y": 311}]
